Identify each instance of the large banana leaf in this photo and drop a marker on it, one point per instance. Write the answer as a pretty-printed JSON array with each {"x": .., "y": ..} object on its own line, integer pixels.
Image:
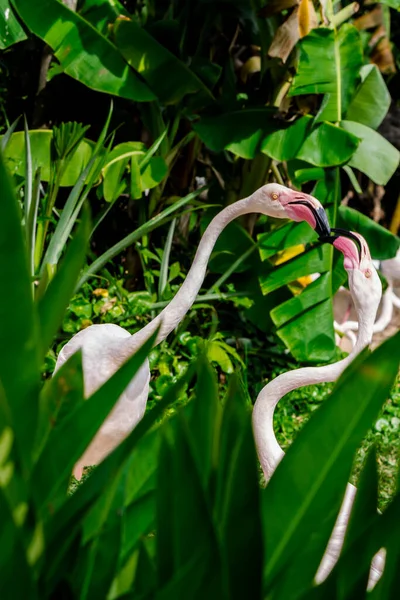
[
  {"x": 375, "y": 156},
  {"x": 101, "y": 13},
  {"x": 295, "y": 317},
  {"x": 330, "y": 62},
  {"x": 382, "y": 243},
  {"x": 247, "y": 132},
  {"x": 371, "y": 101},
  {"x": 167, "y": 76},
  {"x": 84, "y": 53},
  {"x": 10, "y": 29}
]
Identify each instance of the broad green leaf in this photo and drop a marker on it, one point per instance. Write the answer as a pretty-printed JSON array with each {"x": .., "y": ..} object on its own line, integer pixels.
[
  {"x": 11, "y": 31},
  {"x": 40, "y": 140},
  {"x": 371, "y": 101},
  {"x": 328, "y": 146},
  {"x": 296, "y": 320},
  {"x": 237, "y": 510},
  {"x": 66, "y": 526},
  {"x": 185, "y": 529},
  {"x": 154, "y": 172},
  {"x": 381, "y": 242},
  {"x": 98, "y": 559},
  {"x": 242, "y": 132},
  {"x": 113, "y": 184},
  {"x": 313, "y": 474},
  {"x": 316, "y": 260},
  {"x": 102, "y": 13},
  {"x": 52, "y": 306},
  {"x": 330, "y": 61},
  {"x": 19, "y": 365},
  {"x": 215, "y": 353},
  {"x": 16, "y": 576},
  {"x": 83, "y": 52},
  {"x": 306, "y": 342},
  {"x": 291, "y": 234},
  {"x": 152, "y": 60},
  {"x": 284, "y": 144},
  {"x": 203, "y": 419},
  {"x": 375, "y": 156}
]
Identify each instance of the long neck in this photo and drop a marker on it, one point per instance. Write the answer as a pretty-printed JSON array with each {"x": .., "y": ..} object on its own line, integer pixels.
[
  {"x": 269, "y": 451},
  {"x": 181, "y": 303}
]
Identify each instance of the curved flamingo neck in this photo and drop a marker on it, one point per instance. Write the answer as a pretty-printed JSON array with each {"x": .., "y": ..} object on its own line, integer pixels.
[
  {"x": 172, "y": 314},
  {"x": 269, "y": 451}
]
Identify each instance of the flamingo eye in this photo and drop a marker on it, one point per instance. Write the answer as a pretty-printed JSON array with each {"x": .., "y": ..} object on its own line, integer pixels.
[{"x": 274, "y": 196}]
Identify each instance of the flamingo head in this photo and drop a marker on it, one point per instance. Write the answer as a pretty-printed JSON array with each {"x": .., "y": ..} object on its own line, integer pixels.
[
  {"x": 279, "y": 201},
  {"x": 364, "y": 283}
]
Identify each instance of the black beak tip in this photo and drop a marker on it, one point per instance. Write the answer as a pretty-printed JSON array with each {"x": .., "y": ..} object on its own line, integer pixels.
[{"x": 322, "y": 224}]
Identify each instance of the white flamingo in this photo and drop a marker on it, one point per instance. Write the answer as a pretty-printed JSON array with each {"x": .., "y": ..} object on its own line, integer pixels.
[
  {"x": 366, "y": 292},
  {"x": 106, "y": 347},
  {"x": 391, "y": 270}
]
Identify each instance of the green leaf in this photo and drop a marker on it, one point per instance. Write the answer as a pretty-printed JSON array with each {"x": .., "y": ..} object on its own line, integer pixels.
[
  {"x": 41, "y": 139},
  {"x": 330, "y": 61},
  {"x": 375, "y": 156},
  {"x": 242, "y": 132},
  {"x": 203, "y": 419},
  {"x": 152, "y": 60},
  {"x": 296, "y": 320},
  {"x": 20, "y": 365},
  {"x": 136, "y": 235},
  {"x": 52, "y": 306},
  {"x": 113, "y": 184},
  {"x": 371, "y": 101},
  {"x": 328, "y": 146},
  {"x": 11, "y": 31},
  {"x": 316, "y": 260},
  {"x": 101, "y": 13},
  {"x": 154, "y": 172},
  {"x": 83, "y": 52},
  {"x": 313, "y": 474},
  {"x": 238, "y": 499},
  {"x": 185, "y": 529},
  {"x": 13, "y": 558},
  {"x": 285, "y": 144},
  {"x": 215, "y": 353},
  {"x": 286, "y": 236},
  {"x": 382, "y": 243}
]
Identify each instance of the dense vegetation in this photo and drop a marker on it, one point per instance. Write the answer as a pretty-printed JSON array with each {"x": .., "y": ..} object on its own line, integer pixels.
[{"x": 141, "y": 120}]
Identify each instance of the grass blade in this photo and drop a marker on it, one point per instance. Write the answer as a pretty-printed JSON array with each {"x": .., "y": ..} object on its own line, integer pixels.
[
  {"x": 163, "y": 280},
  {"x": 135, "y": 236},
  {"x": 53, "y": 304}
]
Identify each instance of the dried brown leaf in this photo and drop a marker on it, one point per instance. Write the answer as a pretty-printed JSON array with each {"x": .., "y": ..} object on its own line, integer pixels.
[
  {"x": 307, "y": 17},
  {"x": 286, "y": 37}
]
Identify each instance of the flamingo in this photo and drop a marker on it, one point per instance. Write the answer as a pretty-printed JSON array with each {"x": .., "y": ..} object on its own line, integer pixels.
[
  {"x": 106, "y": 347},
  {"x": 366, "y": 291},
  {"x": 391, "y": 270}
]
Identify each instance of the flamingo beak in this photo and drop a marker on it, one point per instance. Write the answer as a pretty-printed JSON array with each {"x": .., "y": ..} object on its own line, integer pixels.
[
  {"x": 308, "y": 208},
  {"x": 348, "y": 243}
]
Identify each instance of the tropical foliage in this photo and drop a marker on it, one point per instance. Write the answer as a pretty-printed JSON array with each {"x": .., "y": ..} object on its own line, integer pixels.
[{"x": 143, "y": 118}]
